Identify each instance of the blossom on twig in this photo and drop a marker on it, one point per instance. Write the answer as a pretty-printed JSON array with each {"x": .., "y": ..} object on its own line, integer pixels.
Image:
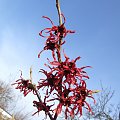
[
  {"x": 59, "y": 31},
  {"x": 41, "y": 106},
  {"x": 25, "y": 86}
]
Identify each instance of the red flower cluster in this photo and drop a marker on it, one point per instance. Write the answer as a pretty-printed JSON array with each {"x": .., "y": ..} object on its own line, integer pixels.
[
  {"x": 73, "y": 99},
  {"x": 54, "y": 35},
  {"x": 69, "y": 70},
  {"x": 68, "y": 82},
  {"x": 64, "y": 80}
]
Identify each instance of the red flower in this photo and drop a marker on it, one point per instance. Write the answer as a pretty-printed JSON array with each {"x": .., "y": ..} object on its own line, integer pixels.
[
  {"x": 52, "y": 44},
  {"x": 59, "y": 31},
  {"x": 41, "y": 106},
  {"x": 81, "y": 93},
  {"x": 25, "y": 86},
  {"x": 63, "y": 101},
  {"x": 52, "y": 81}
]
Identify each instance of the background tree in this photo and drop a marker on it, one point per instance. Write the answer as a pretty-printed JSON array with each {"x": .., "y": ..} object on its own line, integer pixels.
[
  {"x": 104, "y": 109},
  {"x": 7, "y": 100},
  {"x": 6, "y": 95}
]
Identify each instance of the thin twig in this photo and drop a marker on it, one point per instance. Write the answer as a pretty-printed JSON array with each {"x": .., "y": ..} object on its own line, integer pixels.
[
  {"x": 38, "y": 95},
  {"x": 39, "y": 98},
  {"x": 60, "y": 23},
  {"x": 59, "y": 11}
]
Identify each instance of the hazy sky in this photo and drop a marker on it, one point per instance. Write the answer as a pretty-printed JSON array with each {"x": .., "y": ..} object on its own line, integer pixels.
[{"x": 97, "y": 38}]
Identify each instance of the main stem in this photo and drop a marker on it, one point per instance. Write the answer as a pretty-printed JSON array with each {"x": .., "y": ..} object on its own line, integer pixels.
[{"x": 60, "y": 41}]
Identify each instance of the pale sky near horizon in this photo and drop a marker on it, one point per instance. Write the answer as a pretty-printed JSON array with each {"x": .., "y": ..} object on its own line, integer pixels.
[{"x": 97, "y": 38}]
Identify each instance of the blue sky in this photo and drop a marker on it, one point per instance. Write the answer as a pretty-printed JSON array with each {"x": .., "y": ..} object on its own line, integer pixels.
[{"x": 97, "y": 38}]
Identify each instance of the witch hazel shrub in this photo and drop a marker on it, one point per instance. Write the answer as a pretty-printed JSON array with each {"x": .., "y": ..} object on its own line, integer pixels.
[{"x": 63, "y": 84}]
